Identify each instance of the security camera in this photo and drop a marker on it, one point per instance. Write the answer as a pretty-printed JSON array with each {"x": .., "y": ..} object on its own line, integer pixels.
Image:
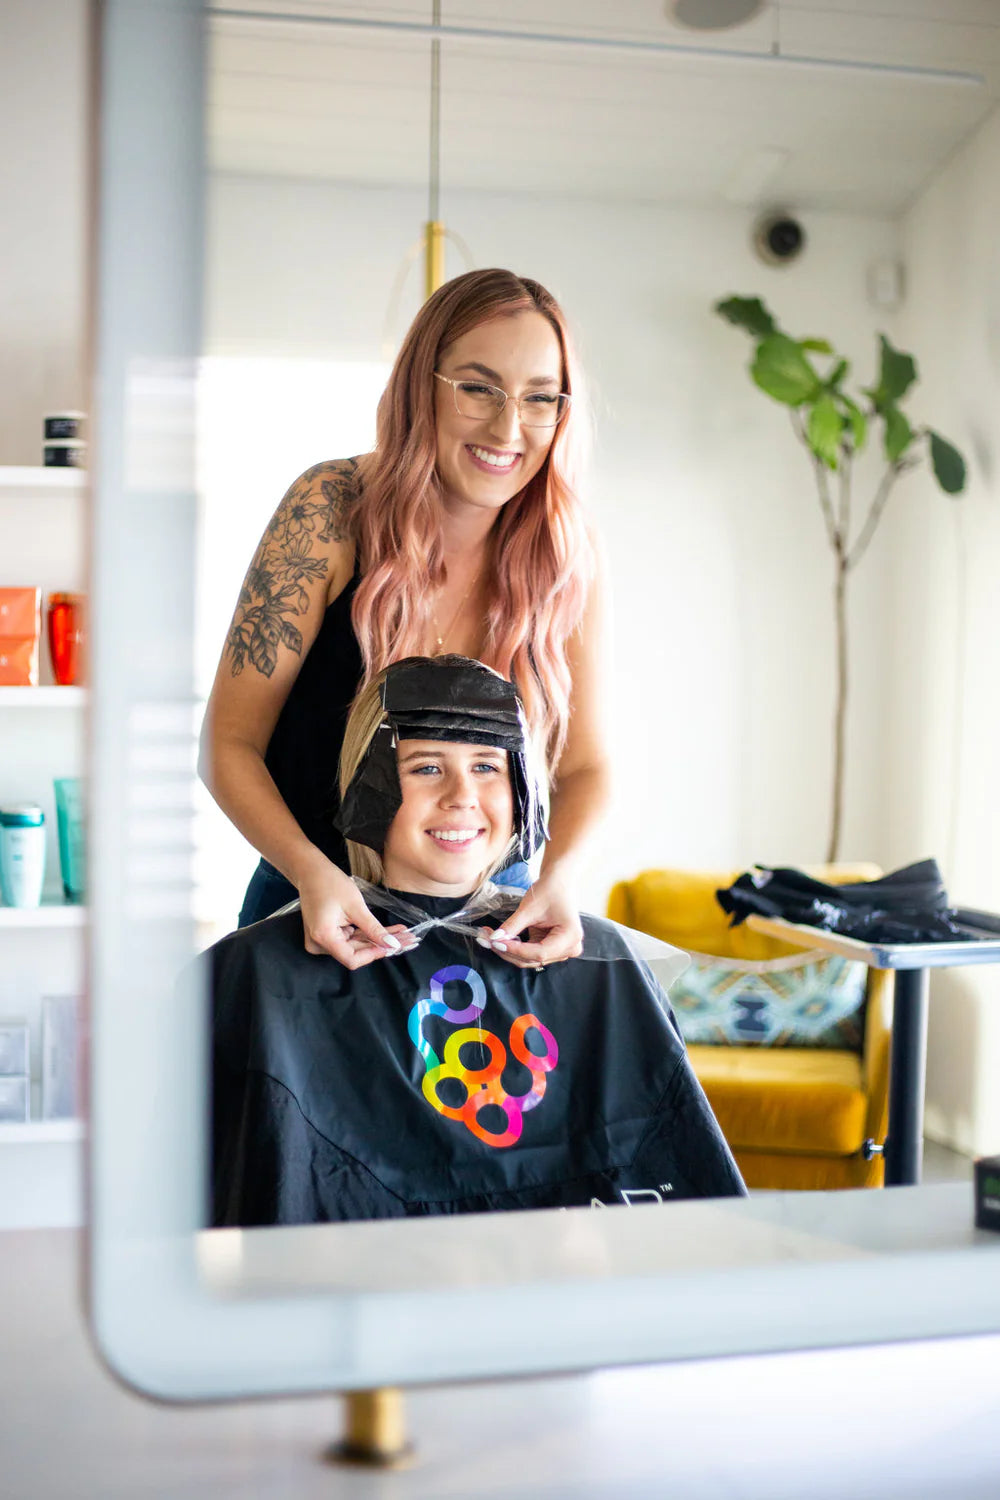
[{"x": 778, "y": 239}]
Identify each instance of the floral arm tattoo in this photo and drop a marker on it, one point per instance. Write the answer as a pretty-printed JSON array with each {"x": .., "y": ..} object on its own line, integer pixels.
[{"x": 273, "y": 593}]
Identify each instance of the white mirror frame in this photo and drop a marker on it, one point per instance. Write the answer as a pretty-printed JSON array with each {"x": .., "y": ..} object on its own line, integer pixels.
[{"x": 190, "y": 1315}]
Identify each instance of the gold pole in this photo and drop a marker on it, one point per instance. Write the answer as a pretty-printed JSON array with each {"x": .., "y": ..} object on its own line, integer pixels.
[
  {"x": 434, "y": 229},
  {"x": 374, "y": 1430},
  {"x": 433, "y": 256}
]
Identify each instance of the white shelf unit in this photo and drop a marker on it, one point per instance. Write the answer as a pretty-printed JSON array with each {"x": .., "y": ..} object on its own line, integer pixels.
[
  {"x": 49, "y": 914},
  {"x": 22, "y": 477},
  {"x": 40, "y": 1132},
  {"x": 49, "y": 696},
  {"x": 42, "y": 522}
]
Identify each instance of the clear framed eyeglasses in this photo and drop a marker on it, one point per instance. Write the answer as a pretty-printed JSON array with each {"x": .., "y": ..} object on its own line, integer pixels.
[{"x": 474, "y": 398}]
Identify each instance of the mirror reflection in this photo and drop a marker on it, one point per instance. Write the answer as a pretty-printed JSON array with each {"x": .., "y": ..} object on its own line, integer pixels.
[{"x": 560, "y": 469}]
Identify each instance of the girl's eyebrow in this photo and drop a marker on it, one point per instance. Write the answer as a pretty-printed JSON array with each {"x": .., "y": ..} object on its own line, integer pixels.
[{"x": 481, "y": 752}]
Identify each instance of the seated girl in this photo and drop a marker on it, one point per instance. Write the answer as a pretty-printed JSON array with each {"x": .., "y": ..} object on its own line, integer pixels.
[{"x": 450, "y": 1075}]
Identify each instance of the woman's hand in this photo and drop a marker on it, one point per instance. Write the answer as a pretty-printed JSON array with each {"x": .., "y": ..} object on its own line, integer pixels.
[
  {"x": 552, "y": 923},
  {"x": 337, "y": 921},
  {"x": 365, "y": 951}
]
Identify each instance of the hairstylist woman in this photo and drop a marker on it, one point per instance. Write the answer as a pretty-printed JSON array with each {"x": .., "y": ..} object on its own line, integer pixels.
[{"x": 461, "y": 533}]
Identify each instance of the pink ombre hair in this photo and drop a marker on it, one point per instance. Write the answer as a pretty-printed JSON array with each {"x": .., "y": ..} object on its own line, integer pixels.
[{"x": 543, "y": 556}]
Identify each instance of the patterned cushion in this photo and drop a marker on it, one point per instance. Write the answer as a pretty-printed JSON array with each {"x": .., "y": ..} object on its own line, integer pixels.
[{"x": 818, "y": 1003}]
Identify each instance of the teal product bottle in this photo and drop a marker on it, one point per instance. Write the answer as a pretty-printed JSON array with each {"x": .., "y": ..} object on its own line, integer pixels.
[
  {"x": 72, "y": 836},
  {"x": 22, "y": 854}
]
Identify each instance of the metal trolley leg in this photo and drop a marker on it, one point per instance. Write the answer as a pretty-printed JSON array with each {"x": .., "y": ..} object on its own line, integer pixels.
[{"x": 907, "y": 1074}]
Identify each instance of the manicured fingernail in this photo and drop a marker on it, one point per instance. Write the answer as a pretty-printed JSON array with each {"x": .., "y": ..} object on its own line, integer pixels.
[
  {"x": 390, "y": 941},
  {"x": 499, "y": 947},
  {"x": 499, "y": 933},
  {"x": 484, "y": 942}
]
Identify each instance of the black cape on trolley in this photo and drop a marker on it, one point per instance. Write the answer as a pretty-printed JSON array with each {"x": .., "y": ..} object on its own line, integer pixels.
[
  {"x": 907, "y": 906},
  {"x": 446, "y": 1080}
]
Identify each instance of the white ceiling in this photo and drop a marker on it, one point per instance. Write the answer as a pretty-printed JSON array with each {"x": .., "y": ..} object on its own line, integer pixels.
[{"x": 314, "y": 101}]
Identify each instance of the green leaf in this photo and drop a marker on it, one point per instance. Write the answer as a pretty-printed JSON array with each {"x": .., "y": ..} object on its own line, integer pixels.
[
  {"x": 856, "y": 421},
  {"x": 840, "y": 369},
  {"x": 824, "y": 430},
  {"x": 819, "y": 346},
  {"x": 948, "y": 463},
  {"x": 749, "y": 313},
  {"x": 897, "y": 372},
  {"x": 898, "y": 433},
  {"x": 782, "y": 371}
]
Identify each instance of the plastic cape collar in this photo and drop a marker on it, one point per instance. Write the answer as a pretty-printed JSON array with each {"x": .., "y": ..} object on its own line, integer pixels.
[
  {"x": 604, "y": 942},
  {"x": 461, "y": 701}
]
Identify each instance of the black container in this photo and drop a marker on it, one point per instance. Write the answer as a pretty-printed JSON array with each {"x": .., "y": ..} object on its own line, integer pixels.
[
  {"x": 64, "y": 453},
  {"x": 64, "y": 424},
  {"x": 987, "y": 1170}
]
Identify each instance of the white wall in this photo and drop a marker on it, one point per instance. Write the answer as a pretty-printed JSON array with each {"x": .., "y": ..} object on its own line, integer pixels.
[
  {"x": 944, "y": 730},
  {"x": 720, "y": 704},
  {"x": 43, "y": 80}
]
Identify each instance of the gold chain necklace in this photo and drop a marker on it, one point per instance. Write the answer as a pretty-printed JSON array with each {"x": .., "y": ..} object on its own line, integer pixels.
[{"x": 440, "y": 636}]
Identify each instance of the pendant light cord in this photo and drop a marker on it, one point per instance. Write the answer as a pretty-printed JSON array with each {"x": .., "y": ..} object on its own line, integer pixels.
[{"x": 434, "y": 162}]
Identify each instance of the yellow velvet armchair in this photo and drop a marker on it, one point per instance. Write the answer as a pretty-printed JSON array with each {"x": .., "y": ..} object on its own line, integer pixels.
[{"x": 795, "y": 1117}]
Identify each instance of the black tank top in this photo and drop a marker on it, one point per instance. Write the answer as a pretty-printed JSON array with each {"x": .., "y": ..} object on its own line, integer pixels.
[{"x": 304, "y": 750}]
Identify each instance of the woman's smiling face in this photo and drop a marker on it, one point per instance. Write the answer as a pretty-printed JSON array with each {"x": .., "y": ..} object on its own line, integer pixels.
[
  {"x": 485, "y": 461},
  {"x": 455, "y": 820}
]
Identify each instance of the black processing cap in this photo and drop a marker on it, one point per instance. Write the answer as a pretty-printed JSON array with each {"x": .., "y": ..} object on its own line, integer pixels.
[{"x": 443, "y": 698}]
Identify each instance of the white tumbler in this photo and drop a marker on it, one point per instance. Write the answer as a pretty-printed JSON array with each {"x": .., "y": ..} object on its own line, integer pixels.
[{"x": 22, "y": 854}]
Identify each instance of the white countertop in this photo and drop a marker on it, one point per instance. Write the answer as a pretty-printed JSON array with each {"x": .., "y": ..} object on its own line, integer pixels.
[{"x": 899, "y": 1422}]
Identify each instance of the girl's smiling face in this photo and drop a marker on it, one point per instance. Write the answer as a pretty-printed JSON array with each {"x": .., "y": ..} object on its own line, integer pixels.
[
  {"x": 456, "y": 817},
  {"x": 486, "y": 461}
]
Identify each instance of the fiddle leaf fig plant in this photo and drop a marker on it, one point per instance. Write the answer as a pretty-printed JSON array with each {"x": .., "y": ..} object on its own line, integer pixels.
[{"x": 834, "y": 426}]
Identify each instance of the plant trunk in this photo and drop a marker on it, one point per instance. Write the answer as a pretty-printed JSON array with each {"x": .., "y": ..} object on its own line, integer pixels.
[{"x": 840, "y": 714}]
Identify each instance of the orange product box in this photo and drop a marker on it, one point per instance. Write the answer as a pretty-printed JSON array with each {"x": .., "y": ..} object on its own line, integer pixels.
[
  {"x": 18, "y": 661},
  {"x": 21, "y": 612},
  {"x": 20, "y": 628}
]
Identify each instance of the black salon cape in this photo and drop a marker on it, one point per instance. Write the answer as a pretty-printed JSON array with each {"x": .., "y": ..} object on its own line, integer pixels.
[
  {"x": 907, "y": 906},
  {"x": 319, "y": 1113}
]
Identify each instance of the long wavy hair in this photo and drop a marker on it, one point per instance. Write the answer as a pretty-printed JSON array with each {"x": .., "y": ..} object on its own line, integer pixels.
[{"x": 543, "y": 559}]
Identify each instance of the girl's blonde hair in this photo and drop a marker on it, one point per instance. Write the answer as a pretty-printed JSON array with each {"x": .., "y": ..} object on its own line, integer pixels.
[
  {"x": 363, "y": 720},
  {"x": 543, "y": 558}
]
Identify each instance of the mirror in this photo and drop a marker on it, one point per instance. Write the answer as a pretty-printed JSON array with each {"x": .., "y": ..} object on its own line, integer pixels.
[
  {"x": 315, "y": 193},
  {"x": 638, "y": 213}
]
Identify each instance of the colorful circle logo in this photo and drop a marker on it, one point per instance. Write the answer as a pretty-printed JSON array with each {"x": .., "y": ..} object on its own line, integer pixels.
[{"x": 482, "y": 1084}]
